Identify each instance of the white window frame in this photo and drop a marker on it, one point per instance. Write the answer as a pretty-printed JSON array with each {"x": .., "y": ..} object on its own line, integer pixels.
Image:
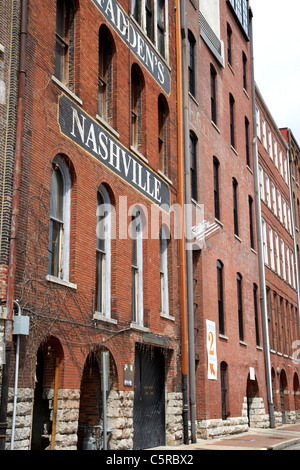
[
  {"x": 65, "y": 243},
  {"x": 264, "y": 133},
  {"x": 258, "y": 122},
  {"x": 265, "y": 244},
  {"x": 277, "y": 253},
  {"x": 280, "y": 162},
  {"x": 268, "y": 191},
  {"x": 261, "y": 183},
  {"x": 270, "y": 143},
  {"x": 138, "y": 314},
  {"x": 275, "y": 152},
  {"x": 283, "y": 260},
  {"x": 106, "y": 283},
  {"x": 288, "y": 264},
  {"x": 164, "y": 289},
  {"x": 274, "y": 203},
  {"x": 285, "y": 169},
  {"x": 271, "y": 248},
  {"x": 284, "y": 213},
  {"x": 279, "y": 206},
  {"x": 293, "y": 269}
]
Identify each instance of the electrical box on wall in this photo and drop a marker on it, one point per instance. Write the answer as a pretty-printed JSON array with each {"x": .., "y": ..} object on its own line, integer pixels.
[{"x": 21, "y": 325}]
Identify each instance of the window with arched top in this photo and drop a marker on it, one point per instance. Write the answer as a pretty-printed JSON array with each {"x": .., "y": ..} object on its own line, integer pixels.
[
  {"x": 103, "y": 253},
  {"x": 137, "y": 266},
  {"x": 59, "y": 231},
  {"x": 105, "y": 75},
  {"x": 163, "y": 135},
  {"x": 163, "y": 253},
  {"x": 65, "y": 35},
  {"x": 136, "y": 108}
]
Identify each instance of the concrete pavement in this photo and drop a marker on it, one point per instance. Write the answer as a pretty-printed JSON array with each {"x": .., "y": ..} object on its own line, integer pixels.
[{"x": 254, "y": 439}]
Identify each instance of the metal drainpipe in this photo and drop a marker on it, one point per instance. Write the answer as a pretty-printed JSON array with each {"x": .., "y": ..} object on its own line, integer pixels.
[
  {"x": 260, "y": 245},
  {"x": 182, "y": 259},
  {"x": 188, "y": 226},
  {"x": 14, "y": 224}
]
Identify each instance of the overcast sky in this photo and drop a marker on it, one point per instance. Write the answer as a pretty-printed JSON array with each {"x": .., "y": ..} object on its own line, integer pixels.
[{"x": 276, "y": 31}]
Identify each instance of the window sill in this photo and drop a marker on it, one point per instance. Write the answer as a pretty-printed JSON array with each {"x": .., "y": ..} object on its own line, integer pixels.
[
  {"x": 107, "y": 126},
  {"x": 237, "y": 238},
  {"x": 233, "y": 149},
  {"x": 134, "y": 150},
  {"x": 215, "y": 127},
  {"x": 137, "y": 327},
  {"x": 167, "y": 317},
  {"x": 66, "y": 89},
  {"x": 61, "y": 282},
  {"x": 101, "y": 317},
  {"x": 164, "y": 177},
  {"x": 243, "y": 343},
  {"x": 225, "y": 337},
  {"x": 246, "y": 93}
]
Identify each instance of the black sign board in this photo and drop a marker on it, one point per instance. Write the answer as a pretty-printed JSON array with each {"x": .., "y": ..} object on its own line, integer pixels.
[
  {"x": 137, "y": 43},
  {"x": 98, "y": 142}
]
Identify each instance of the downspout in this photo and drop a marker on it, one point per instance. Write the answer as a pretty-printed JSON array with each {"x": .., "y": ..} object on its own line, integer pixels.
[
  {"x": 264, "y": 311},
  {"x": 8, "y": 326},
  {"x": 182, "y": 260},
  {"x": 188, "y": 225}
]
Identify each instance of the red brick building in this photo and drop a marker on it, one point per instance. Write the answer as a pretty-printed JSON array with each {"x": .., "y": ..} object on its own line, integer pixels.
[
  {"x": 231, "y": 385},
  {"x": 279, "y": 249},
  {"x": 96, "y": 271}
]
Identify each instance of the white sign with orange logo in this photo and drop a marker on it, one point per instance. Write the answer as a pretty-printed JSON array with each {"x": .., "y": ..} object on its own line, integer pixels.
[{"x": 211, "y": 350}]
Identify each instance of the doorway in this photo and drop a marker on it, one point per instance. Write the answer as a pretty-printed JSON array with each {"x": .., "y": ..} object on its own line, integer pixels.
[{"x": 149, "y": 398}]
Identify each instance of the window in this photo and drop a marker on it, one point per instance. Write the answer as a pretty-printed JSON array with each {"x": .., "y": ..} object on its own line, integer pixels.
[
  {"x": 264, "y": 235},
  {"x": 240, "y": 306},
  {"x": 229, "y": 44},
  {"x": 283, "y": 260},
  {"x": 58, "y": 249},
  {"x": 275, "y": 152},
  {"x": 264, "y": 132},
  {"x": 103, "y": 252},
  {"x": 164, "y": 295},
  {"x": 284, "y": 213},
  {"x": 235, "y": 206},
  {"x": 162, "y": 136},
  {"x": 288, "y": 266},
  {"x": 191, "y": 63},
  {"x": 232, "y": 134},
  {"x": 64, "y": 52},
  {"x": 220, "y": 287},
  {"x": 261, "y": 183},
  {"x": 244, "y": 71},
  {"x": 105, "y": 78},
  {"x": 280, "y": 162},
  {"x": 251, "y": 229},
  {"x": 257, "y": 122},
  {"x": 268, "y": 191},
  {"x": 271, "y": 244},
  {"x": 216, "y": 166},
  {"x": 247, "y": 141},
  {"x": 279, "y": 205},
  {"x": 193, "y": 163},
  {"x": 213, "y": 94},
  {"x": 270, "y": 322},
  {"x": 285, "y": 170},
  {"x": 293, "y": 270},
  {"x": 223, "y": 369},
  {"x": 137, "y": 267},
  {"x": 274, "y": 203},
  {"x": 136, "y": 109},
  {"x": 277, "y": 254},
  {"x": 270, "y": 143},
  {"x": 151, "y": 15},
  {"x": 256, "y": 315}
]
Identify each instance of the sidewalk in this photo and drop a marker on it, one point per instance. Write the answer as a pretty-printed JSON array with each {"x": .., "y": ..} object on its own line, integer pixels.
[{"x": 254, "y": 439}]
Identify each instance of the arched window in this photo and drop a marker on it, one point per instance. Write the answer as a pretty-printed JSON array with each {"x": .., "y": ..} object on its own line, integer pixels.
[
  {"x": 164, "y": 292},
  {"x": 162, "y": 136},
  {"x": 191, "y": 63},
  {"x": 136, "y": 109},
  {"x": 64, "y": 53},
  {"x": 59, "y": 233},
  {"x": 193, "y": 164},
  {"x": 105, "y": 79},
  {"x": 103, "y": 253},
  {"x": 240, "y": 306},
  {"x": 137, "y": 266}
]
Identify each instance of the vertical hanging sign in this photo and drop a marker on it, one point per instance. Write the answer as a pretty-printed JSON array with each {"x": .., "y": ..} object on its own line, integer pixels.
[{"x": 211, "y": 350}]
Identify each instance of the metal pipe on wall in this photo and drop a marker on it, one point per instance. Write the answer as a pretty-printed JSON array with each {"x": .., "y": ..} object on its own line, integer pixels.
[
  {"x": 182, "y": 259},
  {"x": 8, "y": 326}
]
